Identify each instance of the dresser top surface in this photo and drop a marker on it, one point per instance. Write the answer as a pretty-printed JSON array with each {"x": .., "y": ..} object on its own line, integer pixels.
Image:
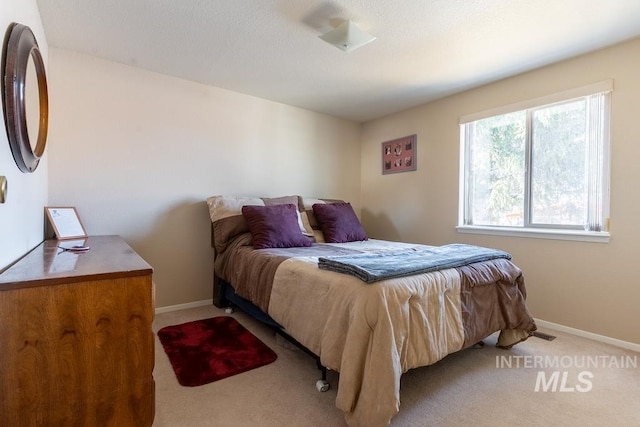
[{"x": 49, "y": 263}]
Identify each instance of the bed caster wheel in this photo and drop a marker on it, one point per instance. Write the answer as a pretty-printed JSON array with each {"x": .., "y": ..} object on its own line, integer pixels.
[
  {"x": 322, "y": 386},
  {"x": 228, "y": 310}
]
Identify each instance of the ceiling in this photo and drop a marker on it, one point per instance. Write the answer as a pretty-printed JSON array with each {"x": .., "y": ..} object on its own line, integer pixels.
[{"x": 425, "y": 49}]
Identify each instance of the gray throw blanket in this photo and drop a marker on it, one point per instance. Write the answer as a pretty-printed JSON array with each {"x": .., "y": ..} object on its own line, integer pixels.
[{"x": 373, "y": 267}]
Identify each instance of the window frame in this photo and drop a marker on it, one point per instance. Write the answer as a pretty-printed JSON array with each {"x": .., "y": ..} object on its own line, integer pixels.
[{"x": 547, "y": 231}]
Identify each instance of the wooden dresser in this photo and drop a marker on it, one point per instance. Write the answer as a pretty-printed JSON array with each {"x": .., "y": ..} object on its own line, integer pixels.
[{"x": 76, "y": 344}]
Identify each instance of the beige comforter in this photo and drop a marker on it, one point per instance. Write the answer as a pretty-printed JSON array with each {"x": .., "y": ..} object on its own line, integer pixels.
[{"x": 372, "y": 333}]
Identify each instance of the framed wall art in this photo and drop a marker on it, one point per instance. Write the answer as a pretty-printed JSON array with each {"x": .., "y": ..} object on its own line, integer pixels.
[{"x": 399, "y": 155}]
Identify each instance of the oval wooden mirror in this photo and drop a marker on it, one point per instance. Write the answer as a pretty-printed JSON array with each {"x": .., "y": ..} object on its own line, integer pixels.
[{"x": 26, "y": 98}]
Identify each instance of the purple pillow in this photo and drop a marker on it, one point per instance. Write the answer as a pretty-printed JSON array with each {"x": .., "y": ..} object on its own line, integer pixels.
[
  {"x": 339, "y": 222},
  {"x": 274, "y": 226}
]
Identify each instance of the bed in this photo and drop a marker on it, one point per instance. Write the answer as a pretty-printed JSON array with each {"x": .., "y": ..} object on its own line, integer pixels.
[{"x": 308, "y": 267}]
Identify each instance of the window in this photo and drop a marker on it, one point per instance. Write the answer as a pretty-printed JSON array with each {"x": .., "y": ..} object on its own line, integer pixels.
[{"x": 539, "y": 166}]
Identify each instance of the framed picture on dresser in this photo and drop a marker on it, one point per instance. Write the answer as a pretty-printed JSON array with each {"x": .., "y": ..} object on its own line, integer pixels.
[{"x": 65, "y": 222}]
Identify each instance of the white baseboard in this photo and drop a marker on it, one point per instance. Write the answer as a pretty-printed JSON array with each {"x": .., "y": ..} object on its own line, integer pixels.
[
  {"x": 184, "y": 306},
  {"x": 602, "y": 338},
  {"x": 542, "y": 323}
]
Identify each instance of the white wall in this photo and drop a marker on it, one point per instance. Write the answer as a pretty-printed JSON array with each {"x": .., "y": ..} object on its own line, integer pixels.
[
  {"x": 138, "y": 153},
  {"x": 588, "y": 286},
  {"x": 22, "y": 215}
]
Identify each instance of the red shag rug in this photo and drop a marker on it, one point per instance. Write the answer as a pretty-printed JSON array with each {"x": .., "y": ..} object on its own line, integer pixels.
[{"x": 208, "y": 350}]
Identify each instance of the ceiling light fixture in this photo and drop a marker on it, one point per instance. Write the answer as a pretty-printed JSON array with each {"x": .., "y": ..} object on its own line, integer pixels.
[{"x": 347, "y": 37}]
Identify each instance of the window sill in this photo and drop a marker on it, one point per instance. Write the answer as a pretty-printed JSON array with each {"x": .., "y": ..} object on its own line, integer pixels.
[{"x": 577, "y": 235}]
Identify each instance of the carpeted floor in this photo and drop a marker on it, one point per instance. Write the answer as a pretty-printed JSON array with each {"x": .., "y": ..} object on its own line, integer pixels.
[{"x": 601, "y": 386}]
